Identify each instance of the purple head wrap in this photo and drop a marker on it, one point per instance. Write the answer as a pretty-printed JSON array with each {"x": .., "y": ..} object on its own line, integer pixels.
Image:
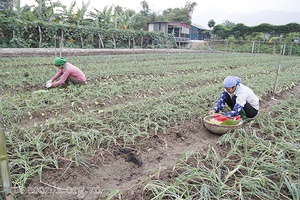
[{"x": 231, "y": 81}]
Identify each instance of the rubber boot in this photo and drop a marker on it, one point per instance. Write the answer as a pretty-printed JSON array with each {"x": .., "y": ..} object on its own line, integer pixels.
[{"x": 243, "y": 115}]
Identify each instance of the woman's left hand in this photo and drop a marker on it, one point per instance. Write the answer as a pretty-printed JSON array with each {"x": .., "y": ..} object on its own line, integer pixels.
[{"x": 211, "y": 112}]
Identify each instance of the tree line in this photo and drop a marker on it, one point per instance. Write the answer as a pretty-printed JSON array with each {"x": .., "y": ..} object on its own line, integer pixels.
[
  {"x": 52, "y": 24},
  {"x": 262, "y": 32}
]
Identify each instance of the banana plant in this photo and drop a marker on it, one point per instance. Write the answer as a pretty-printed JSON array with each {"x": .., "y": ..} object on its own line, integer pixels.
[
  {"x": 77, "y": 18},
  {"x": 103, "y": 19}
]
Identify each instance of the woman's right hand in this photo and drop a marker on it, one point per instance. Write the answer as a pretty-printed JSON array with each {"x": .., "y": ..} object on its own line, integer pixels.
[{"x": 48, "y": 85}]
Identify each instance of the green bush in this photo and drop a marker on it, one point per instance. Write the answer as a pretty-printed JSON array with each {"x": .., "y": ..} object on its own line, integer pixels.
[{"x": 17, "y": 43}]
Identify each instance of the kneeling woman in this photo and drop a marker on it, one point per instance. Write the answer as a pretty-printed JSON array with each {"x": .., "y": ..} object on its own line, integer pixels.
[
  {"x": 240, "y": 98},
  {"x": 69, "y": 74}
]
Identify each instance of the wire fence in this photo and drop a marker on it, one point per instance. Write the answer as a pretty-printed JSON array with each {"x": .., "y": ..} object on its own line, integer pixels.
[
  {"x": 205, "y": 46},
  {"x": 288, "y": 48}
]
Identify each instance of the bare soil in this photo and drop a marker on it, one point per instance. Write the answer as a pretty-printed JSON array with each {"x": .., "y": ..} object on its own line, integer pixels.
[{"x": 125, "y": 169}]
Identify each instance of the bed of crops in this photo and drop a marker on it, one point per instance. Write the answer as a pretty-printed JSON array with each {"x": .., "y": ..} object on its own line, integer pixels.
[{"x": 127, "y": 133}]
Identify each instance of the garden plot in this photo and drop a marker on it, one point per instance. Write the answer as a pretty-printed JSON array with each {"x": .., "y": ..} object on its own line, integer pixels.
[{"x": 125, "y": 133}]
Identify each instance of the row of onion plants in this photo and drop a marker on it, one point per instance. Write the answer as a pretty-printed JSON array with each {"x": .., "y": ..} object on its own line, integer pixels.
[
  {"x": 260, "y": 161},
  {"x": 127, "y": 96}
]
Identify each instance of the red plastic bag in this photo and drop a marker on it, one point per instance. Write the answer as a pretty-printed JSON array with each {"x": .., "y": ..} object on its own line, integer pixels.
[
  {"x": 222, "y": 118},
  {"x": 237, "y": 117}
]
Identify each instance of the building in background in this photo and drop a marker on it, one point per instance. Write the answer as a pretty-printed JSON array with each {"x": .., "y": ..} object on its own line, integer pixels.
[
  {"x": 199, "y": 33},
  {"x": 182, "y": 32}
]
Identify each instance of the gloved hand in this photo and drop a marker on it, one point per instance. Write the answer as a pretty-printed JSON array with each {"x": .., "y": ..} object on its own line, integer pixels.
[
  {"x": 212, "y": 112},
  {"x": 50, "y": 81},
  {"x": 48, "y": 85}
]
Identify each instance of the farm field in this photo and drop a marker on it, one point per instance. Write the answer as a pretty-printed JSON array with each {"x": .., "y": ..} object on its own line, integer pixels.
[{"x": 135, "y": 130}]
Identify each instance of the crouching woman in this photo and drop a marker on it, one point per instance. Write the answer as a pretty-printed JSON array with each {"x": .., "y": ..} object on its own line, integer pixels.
[
  {"x": 68, "y": 73},
  {"x": 240, "y": 99}
]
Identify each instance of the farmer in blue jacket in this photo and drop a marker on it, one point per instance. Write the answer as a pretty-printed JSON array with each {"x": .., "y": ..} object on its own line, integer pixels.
[{"x": 240, "y": 98}]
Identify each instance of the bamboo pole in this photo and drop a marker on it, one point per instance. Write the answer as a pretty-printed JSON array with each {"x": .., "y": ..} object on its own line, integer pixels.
[
  {"x": 41, "y": 36},
  {"x": 283, "y": 53},
  {"x": 4, "y": 168},
  {"x": 278, "y": 69},
  {"x": 55, "y": 45},
  {"x": 61, "y": 45},
  {"x": 227, "y": 43},
  {"x": 291, "y": 49},
  {"x": 274, "y": 48}
]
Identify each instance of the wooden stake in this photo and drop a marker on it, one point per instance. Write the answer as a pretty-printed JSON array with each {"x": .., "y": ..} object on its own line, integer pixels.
[
  {"x": 5, "y": 175},
  {"x": 284, "y": 49},
  {"x": 278, "y": 70},
  {"x": 291, "y": 49}
]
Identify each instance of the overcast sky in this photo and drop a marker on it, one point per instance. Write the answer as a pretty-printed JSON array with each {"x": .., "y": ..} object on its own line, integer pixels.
[{"x": 218, "y": 10}]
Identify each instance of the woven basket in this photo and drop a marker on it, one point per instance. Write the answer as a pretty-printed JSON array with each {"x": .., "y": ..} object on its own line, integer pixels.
[{"x": 219, "y": 129}]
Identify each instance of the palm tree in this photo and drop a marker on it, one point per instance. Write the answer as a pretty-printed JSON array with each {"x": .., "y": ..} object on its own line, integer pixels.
[
  {"x": 211, "y": 23},
  {"x": 146, "y": 8}
]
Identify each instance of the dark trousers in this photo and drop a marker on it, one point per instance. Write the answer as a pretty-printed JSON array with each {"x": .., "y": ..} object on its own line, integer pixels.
[
  {"x": 75, "y": 80},
  {"x": 249, "y": 110}
]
